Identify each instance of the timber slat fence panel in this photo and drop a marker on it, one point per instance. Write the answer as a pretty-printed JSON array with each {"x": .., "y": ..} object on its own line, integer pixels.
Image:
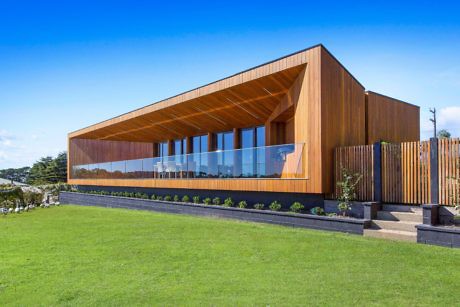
[
  {"x": 405, "y": 171},
  {"x": 392, "y": 187},
  {"x": 415, "y": 157},
  {"x": 449, "y": 170},
  {"x": 357, "y": 159}
]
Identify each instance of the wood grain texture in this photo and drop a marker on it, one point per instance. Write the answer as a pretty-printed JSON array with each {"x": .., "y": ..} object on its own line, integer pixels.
[
  {"x": 262, "y": 185},
  {"x": 391, "y": 120},
  {"x": 342, "y": 113},
  {"x": 82, "y": 151},
  {"x": 449, "y": 171}
]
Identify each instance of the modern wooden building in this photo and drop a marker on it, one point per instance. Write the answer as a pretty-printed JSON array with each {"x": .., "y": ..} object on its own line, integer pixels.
[{"x": 271, "y": 128}]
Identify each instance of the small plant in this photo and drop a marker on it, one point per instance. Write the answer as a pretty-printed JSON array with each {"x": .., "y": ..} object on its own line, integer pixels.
[
  {"x": 196, "y": 199},
  {"x": 317, "y": 211},
  {"x": 207, "y": 201},
  {"x": 259, "y": 206},
  {"x": 275, "y": 206},
  {"x": 228, "y": 202},
  {"x": 332, "y": 214},
  {"x": 296, "y": 207},
  {"x": 144, "y": 196},
  {"x": 347, "y": 190},
  {"x": 138, "y": 195},
  {"x": 153, "y": 197},
  {"x": 159, "y": 197},
  {"x": 242, "y": 204},
  {"x": 216, "y": 201},
  {"x": 186, "y": 199},
  {"x": 176, "y": 198},
  {"x": 168, "y": 198}
]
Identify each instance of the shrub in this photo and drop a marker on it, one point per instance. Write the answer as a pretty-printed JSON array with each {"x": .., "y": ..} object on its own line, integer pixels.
[
  {"x": 275, "y": 206},
  {"x": 113, "y": 194},
  {"x": 259, "y": 206},
  {"x": 168, "y": 198},
  {"x": 296, "y": 207},
  {"x": 176, "y": 198},
  {"x": 228, "y": 202},
  {"x": 153, "y": 197},
  {"x": 159, "y": 197},
  {"x": 186, "y": 199},
  {"x": 126, "y": 194},
  {"x": 137, "y": 195},
  {"x": 347, "y": 190},
  {"x": 216, "y": 201},
  {"x": 317, "y": 211},
  {"x": 33, "y": 198},
  {"x": 207, "y": 201},
  {"x": 242, "y": 204},
  {"x": 196, "y": 199}
]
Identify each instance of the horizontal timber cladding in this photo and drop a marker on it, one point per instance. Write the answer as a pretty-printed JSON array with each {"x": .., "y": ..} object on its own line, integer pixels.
[
  {"x": 261, "y": 185},
  {"x": 84, "y": 151},
  {"x": 357, "y": 160},
  {"x": 449, "y": 171}
]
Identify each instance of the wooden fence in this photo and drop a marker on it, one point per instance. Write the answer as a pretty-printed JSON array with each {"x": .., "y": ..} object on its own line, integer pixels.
[
  {"x": 449, "y": 171},
  {"x": 405, "y": 171},
  {"x": 359, "y": 160}
]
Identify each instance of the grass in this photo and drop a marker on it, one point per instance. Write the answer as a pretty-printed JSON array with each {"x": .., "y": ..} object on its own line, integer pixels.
[{"x": 95, "y": 256}]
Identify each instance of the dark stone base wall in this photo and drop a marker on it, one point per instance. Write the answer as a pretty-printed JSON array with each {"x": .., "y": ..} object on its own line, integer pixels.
[
  {"x": 286, "y": 199},
  {"x": 439, "y": 235},
  {"x": 347, "y": 225},
  {"x": 357, "y": 208}
]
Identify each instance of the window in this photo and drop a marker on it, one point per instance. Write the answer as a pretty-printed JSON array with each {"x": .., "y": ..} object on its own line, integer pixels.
[
  {"x": 200, "y": 160},
  {"x": 163, "y": 149},
  {"x": 225, "y": 158},
  {"x": 179, "y": 147}
]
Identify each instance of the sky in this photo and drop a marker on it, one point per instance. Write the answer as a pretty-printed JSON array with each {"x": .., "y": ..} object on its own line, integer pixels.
[{"x": 65, "y": 65}]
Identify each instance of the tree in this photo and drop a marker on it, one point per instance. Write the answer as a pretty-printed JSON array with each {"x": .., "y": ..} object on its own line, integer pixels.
[
  {"x": 49, "y": 170},
  {"x": 444, "y": 134},
  {"x": 15, "y": 174}
]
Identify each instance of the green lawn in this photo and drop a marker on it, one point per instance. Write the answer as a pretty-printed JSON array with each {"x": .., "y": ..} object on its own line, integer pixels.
[{"x": 74, "y": 255}]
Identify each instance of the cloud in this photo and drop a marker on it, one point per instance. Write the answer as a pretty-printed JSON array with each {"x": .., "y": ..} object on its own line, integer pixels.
[
  {"x": 6, "y": 139},
  {"x": 449, "y": 118}
]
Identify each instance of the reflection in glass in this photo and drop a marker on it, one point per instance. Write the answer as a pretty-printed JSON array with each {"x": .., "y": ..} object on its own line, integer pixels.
[{"x": 280, "y": 161}]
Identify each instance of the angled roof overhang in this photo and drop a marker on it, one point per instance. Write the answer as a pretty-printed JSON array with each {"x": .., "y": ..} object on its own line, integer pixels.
[{"x": 242, "y": 100}]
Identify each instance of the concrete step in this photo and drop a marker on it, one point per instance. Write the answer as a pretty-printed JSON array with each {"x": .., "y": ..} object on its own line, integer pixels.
[
  {"x": 391, "y": 234},
  {"x": 395, "y": 225},
  {"x": 415, "y": 217},
  {"x": 401, "y": 208}
]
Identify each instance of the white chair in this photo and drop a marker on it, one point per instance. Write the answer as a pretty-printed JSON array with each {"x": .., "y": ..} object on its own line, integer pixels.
[
  {"x": 171, "y": 168},
  {"x": 160, "y": 169}
]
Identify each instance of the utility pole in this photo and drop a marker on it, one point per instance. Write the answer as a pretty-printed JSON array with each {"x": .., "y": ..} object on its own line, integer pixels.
[{"x": 433, "y": 120}]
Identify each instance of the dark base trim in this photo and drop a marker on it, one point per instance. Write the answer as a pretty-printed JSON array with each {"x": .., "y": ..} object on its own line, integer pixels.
[
  {"x": 439, "y": 235},
  {"x": 348, "y": 225}
]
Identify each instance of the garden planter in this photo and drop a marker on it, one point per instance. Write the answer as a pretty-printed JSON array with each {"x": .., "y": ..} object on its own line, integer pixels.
[
  {"x": 348, "y": 225},
  {"x": 439, "y": 235}
]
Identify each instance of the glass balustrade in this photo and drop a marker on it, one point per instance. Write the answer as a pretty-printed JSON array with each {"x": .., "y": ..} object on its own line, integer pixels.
[{"x": 278, "y": 161}]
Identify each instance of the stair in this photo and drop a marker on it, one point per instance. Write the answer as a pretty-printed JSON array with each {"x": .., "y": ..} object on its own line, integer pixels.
[{"x": 396, "y": 223}]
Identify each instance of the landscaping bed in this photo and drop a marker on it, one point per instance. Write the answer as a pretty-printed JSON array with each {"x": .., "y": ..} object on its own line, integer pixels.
[{"x": 332, "y": 223}]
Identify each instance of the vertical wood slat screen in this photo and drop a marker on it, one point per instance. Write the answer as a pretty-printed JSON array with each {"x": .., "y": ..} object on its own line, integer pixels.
[
  {"x": 415, "y": 173},
  {"x": 449, "y": 170},
  {"x": 357, "y": 159},
  {"x": 405, "y": 171}
]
